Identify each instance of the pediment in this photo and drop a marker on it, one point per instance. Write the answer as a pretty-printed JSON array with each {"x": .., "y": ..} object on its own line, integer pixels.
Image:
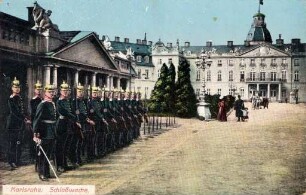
[
  {"x": 88, "y": 52},
  {"x": 264, "y": 51}
]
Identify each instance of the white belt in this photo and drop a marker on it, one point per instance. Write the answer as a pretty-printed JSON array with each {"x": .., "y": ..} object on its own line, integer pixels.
[
  {"x": 61, "y": 117},
  {"x": 48, "y": 121}
]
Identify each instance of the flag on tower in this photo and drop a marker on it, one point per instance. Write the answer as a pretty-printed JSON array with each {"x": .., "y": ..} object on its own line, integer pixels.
[{"x": 261, "y": 2}]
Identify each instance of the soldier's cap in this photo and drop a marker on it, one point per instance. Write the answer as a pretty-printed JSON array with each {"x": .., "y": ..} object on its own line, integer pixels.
[
  {"x": 38, "y": 85},
  {"x": 105, "y": 89},
  {"x": 49, "y": 87},
  {"x": 80, "y": 87},
  {"x": 15, "y": 83},
  {"x": 94, "y": 89},
  {"x": 64, "y": 86}
]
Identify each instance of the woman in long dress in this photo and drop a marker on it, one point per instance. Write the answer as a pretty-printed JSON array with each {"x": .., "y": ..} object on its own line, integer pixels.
[{"x": 222, "y": 112}]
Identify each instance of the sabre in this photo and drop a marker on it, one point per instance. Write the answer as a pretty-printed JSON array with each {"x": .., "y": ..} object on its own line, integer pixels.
[{"x": 41, "y": 148}]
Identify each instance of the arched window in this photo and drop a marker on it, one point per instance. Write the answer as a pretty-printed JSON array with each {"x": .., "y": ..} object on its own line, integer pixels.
[{"x": 219, "y": 75}]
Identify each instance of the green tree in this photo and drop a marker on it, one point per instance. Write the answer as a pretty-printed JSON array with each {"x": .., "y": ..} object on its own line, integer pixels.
[
  {"x": 170, "y": 89},
  {"x": 157, "y": 101},
  {"x": 186, "y": 101}
]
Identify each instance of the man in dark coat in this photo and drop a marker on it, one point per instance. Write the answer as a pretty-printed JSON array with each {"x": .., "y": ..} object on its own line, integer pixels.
[
  {"x": 34, "y": 102},
  {"x": 44, "y": 131},
  {"x": 238, "y": 106},
  {"x": 15, "y": 125},
  {"x": 65, "y": 127}
]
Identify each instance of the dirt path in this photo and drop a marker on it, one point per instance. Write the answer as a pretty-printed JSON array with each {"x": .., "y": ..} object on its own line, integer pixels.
[{"x": 265, "y": 155}]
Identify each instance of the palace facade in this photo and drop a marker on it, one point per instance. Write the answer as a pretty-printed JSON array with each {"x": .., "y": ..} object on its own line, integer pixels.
[{"x": 257, "y": 67}]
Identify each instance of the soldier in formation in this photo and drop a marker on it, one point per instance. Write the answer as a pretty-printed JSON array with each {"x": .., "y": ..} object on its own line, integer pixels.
[{"x": 71, "y": 128}]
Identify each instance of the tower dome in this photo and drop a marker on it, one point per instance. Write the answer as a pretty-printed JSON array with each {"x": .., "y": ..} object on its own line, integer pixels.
[{"x": 259, "y": 32}]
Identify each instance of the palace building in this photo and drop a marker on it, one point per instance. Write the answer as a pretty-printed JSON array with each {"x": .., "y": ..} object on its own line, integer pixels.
[{"x": 256, "y": 67}]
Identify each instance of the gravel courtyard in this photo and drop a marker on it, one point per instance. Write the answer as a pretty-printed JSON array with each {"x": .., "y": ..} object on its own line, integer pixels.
[{"x": 264, "y": 155}]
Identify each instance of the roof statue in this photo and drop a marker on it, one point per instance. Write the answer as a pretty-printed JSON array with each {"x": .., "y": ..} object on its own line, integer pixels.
[
  {"x": 42, "y": 19},
  {"x": 129, "y": 53},
  {"x": 107, "y": 44}
]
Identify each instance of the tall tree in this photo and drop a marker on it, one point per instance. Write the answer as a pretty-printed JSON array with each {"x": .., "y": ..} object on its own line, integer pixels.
[
  {"x": 186, "y": 101},
  {"x": 170, "y": 89},
  {"x": 157, "y": 100}
]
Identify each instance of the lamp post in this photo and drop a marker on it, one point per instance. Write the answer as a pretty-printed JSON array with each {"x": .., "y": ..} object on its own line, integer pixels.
[{"x": 203, "y": 61}]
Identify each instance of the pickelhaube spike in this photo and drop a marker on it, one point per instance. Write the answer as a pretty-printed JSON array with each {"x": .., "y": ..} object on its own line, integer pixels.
[
  {"x": 64, "y": 86},
  {"x": 15, "y": 83},
  {"x": 49, "y": 87},
  {"x": 38, "y": 85}
]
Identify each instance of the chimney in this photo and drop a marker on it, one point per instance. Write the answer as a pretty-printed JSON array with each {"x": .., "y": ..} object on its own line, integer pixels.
[
  {"x": 295, "y": 41},
  {"x": 144, "y": 42},
  {"x": 150, "y": 43},
  {"x": 169, "y": 44},
  {"x": 117, "y": 39},
  {"x": 126, "y": 40},
  {"x": 279, "y": 41},
  {"x": 187, "y": 44},
  {"x": 138, "y": 41},
  {"x": 230, "y": 43},
  {"x": 208, "y": 43},
  {"x": 30, "y": 16}
]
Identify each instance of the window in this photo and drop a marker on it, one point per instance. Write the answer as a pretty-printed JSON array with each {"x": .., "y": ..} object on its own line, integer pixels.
[
  {"x": 296, "y": 62},
  {"x": 273, "y": 93},
  {"x": 219, "y": 62},
  {"x": 284, "y": 75},
  {"x": 230, "y": 62},
  {"x": 197, "y": 92},
  {"x": 296, "y": 75},
  {"x": 219, "y": 75},
  {"x": 208, "y": 75},
  {"x": 219, "y": 91},
  {"x": 242, "y": 62},
  {"x": 242, "y": 92},
  {"x": 273, "y": 62},
  {"x": 208, "y": 91},
  {"x": 273, "y": 76},
  {"x": 158, "y": 73},
  {"x": 138, "y": 58},
  {"x": 146, "y": 59},
  {"x": 241, "y": 76},
  {"x": 160, "y": 61},
  {"x": 252, "y": 76},
  {"x": 139, "y": 73},
  {"x": 262, "y": 76},
  {"x": 230, "y": 77},
  {"x": 198, "y": 75},
  {"x": 147, "y": 74},
  {"x": 252, "y": 62},
  {"x": 284, "y": 61},
  {"x": 170, "y": 61}
]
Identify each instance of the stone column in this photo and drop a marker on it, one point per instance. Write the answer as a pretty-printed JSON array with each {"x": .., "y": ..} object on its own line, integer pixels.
[
  {"x": 30, "y": 83},
  {"x": 268, "y": 92},
  {"x": 47, "y": 75},
  {"x": 110, "y": 81},
  {"x": 86, "y": 80},
  {"x": 279, "y": 91},
  {"x": 118, "y": 83},
  {"x": 55, "y": 76},
  {"x": 93, "y": 79},
  {"x": 128, "y": 85},
  {"x": 76, "y": 77},
  {"x": 257, "y": 88}
]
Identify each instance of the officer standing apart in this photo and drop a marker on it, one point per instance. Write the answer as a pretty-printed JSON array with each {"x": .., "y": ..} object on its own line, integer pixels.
[
  {"x": 15, "y": 125},
  {"x": 44, "y": 131}
]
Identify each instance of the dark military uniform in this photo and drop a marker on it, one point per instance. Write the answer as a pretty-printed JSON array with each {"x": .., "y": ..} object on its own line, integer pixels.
[
  {"x": 112, "y": 128},
  {"x": 15, "y": 128},
  {"x": 44, "y": 128},
  {"x": 84, "y": 138}
]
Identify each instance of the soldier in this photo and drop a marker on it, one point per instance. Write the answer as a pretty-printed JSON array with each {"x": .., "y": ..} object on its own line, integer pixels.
[
  {"x": 15, "y": 125},
  {"x": 83, "y": 138},
  {"x": 44, "y": 131},
  {"x": 34, "y": 102},
  {"x": 66, "y": 124},
  {"x": 96, "y": 114}
]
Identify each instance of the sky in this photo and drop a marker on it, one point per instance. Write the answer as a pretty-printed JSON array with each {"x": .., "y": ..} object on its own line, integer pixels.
[{"x": 195, "y": 21}]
